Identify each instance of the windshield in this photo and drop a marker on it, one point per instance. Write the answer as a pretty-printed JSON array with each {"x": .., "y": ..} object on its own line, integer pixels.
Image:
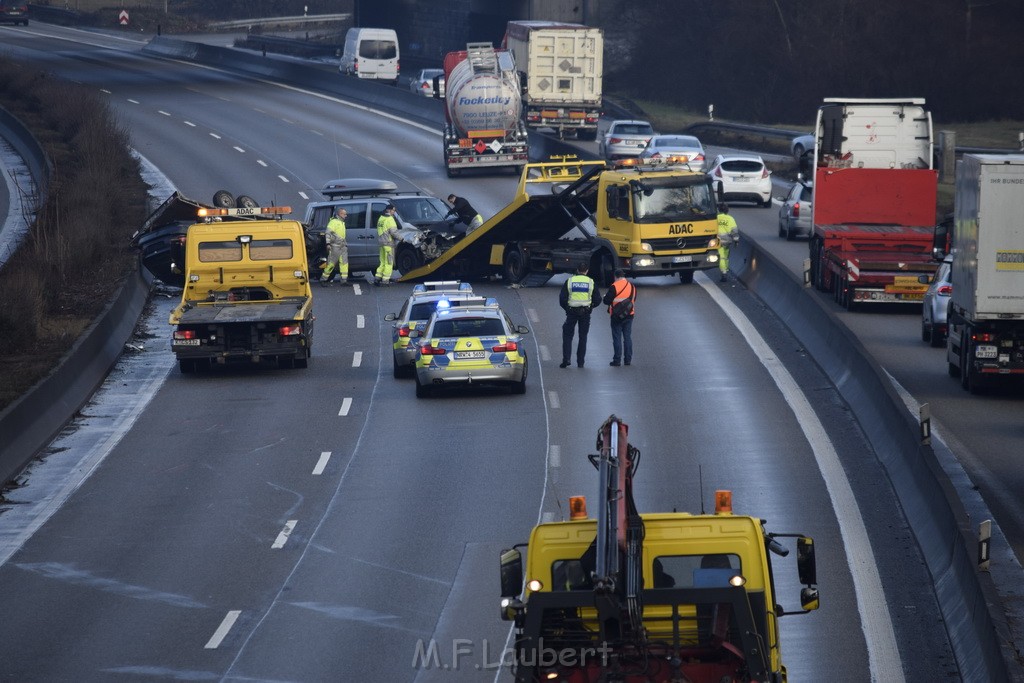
[
  {"x": 670, "y": 201},
  {"x": 420, "y": 210}
]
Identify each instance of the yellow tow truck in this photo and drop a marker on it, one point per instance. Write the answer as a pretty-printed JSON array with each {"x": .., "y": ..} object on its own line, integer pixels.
[
  {"x": 647, "y": 217},
  {"x": 648, "y": 598},
  {"x": 246, "y": 290}
]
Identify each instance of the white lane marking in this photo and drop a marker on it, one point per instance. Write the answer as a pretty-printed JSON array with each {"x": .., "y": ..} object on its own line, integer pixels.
[
  {"x": 346, "y": 405},
  {"x": 360, "y": 321},
  {"x": 282, "y": 537},
  {"x": 189, "y": 123},
  {"x": 547, "y": 518},
  {"x": 304, "y": 195},
  {"x": 133, "y": 101},
  {"x": 261, "y": 163},
  {"x": 239, "y": 149},
  {"x": 357, "y": 289},
  {"x": 357, "y": 359},
  {"x": 283, "y": 179},
  {"x": 555, "y": 455},
  {"x": 259, "y": 110},
  {"x": 105, "y": 91},
  {"x": 545, "y": 353},
  {"x": 876, "y": 622},
  {"x": 288, "y": 121},
  {"x": 161, "y": 111},
  {"x": 532, "y": 314},
  {"x": 214, "y": 135},
  {"x": 316, "y": 132},
  {"x": 321, "y": 464},
  {"x": 553, "y": 399},
  {"x": 222, "y": 630}
]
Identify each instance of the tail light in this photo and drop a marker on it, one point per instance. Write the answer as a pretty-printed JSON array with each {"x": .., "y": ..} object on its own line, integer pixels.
[
  {"x": 718, "y": 172},
  {"x": 614, "y": 141},
  {"x": 592, "y": 119},
  {"x": 698, "y": 157},
  {"x": 428, "y": 350},
  {"x": 796, "y": 210},
  {"x": 983, "y": 337},
  {"x": 425, "y": 86},
  {"x": 656, "y": 155},
  {"x": 290, "y": 330},
  {"x": 403, "y": 330},
  {"x": 945, "y": 290},
  {"x": 764, "y": 172},
  {"x": 506, "y": 347},
  {"x": 184, "y": 334},
  {"x": 532, "y": 116}
]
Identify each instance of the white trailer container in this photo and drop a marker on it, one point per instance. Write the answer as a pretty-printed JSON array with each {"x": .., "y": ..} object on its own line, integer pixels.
[
  {"x": 561, "y": 67},
  {"x": 986, "y": 315}
]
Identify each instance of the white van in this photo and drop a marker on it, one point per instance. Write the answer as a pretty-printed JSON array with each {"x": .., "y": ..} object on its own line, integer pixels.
[{"x": 371, "y": 53}]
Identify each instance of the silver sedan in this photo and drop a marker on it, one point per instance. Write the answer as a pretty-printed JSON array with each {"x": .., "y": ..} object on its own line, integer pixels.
[
  {"x": 661, "y": 146},
  {"x": 795, "y": 211}
]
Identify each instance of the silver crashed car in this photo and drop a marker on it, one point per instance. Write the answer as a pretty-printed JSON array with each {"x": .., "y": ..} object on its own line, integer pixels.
[{"x": 795, "y": 211}]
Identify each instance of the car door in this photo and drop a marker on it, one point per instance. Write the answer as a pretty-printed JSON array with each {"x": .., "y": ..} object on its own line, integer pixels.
[{"x": 361, "y": 236}]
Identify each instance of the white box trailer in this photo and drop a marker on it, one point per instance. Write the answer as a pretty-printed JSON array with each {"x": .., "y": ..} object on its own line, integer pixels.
[
  {"x": 562, "y": 67},
  {"x": 986, "y": 315}
]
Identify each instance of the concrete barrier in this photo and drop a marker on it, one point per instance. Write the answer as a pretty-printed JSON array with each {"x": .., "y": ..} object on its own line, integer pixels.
[
  {"x": 33, "y": 420},
  {"x": 975, "y": 620}
]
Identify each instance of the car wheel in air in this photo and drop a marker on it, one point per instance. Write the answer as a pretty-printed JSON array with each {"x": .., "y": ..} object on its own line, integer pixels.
[
  {"x": 244, "y": 201},
  {"x": 223, "y": 199}
]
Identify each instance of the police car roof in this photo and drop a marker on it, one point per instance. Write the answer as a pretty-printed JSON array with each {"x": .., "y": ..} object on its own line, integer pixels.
[
  {"x": 443, "y": 286},
  {"x": 476, "y": 304},
  {"x": 352, "y": 187}
]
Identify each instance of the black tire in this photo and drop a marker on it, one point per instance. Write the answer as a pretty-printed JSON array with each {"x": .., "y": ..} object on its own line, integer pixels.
[
  {"x": 813, "y": 253},
  {"x": 244, "y": 201},
  {"x": 187, "y": 366},
  {"x": 782, "y": 230},
  {"x": 223, "y": 199},
  {"x": 604, "y": 273},
  {"x": 588, "y": 134},
  {"x": 302, "y": 363},
  {"x": 926, "y": 332},
  {"x": 936, "y": 339},
  {"x": 767, "y": 203},
  {"x": 402, "y": 371},
  {"x": 964, "y": 365},
  {"x": 286, "y": 362},
  {"x": 451, "y": 171},
  {"x": 422, "y": 390},
  {"x": 848, "y": 295},
  {"x": 516, "y": 267},
  {"x": 686, "y": 277},
  {"x": 407, "y": 259},
  {"x": 520, "y": 386}
]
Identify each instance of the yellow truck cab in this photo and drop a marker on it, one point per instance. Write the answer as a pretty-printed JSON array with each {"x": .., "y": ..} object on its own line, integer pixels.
[
  {"x": 637, "y": 597},
  {"x": 246, "y": 294},
  {"x": 648, "y": 217}
]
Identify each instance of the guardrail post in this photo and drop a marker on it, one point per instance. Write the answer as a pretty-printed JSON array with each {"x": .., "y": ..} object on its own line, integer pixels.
[
  {"x": 984, "y": 541},
  {"x": 925, "y": 414}
]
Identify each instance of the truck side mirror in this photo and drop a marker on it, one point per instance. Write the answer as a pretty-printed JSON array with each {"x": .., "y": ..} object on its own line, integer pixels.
[
  {"x": 511, "y": 573},
  {"x": 805, "y": 563},
  {"x": 809, "y": 599}
]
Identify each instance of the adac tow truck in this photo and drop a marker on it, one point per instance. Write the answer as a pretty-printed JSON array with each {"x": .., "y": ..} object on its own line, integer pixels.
[
  {"x": 648, "y": 598},
  {"x": 246, "y": 294},
  {"x": 647, "y": 217}
]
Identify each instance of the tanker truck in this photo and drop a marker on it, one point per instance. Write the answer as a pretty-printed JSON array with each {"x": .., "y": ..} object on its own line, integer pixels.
[{"x": 483, "y": 107}]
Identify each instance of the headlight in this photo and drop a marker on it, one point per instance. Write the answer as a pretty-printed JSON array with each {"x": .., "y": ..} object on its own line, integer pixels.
[
  {"x": 643, "y": 262},
  {"x": 645, "y": 246},
  {"x": 714, "y": 243}
]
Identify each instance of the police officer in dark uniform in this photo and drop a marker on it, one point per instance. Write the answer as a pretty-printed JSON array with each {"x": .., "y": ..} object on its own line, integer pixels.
[{"x": 578, "y": 298}]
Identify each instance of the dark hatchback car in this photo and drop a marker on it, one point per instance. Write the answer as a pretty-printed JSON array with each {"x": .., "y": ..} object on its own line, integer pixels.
[{"x": 14, "y": 13}]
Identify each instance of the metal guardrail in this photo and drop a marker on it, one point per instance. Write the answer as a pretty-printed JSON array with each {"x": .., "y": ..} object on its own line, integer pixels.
[{"x": 282, "y": 21}]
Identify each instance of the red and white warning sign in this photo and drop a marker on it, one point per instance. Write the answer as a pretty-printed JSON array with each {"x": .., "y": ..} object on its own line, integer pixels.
[{"x": 122, "y": 18}]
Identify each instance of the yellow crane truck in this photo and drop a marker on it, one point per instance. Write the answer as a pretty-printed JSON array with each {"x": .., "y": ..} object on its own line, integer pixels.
[
  {"x": 647, "y": 217},
  {"x": 648, "y": 598},
  {"x": 246, "y": 290}
]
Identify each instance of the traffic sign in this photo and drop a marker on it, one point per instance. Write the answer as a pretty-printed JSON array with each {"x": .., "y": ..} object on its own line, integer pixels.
[{"x": 122, "y": 18}]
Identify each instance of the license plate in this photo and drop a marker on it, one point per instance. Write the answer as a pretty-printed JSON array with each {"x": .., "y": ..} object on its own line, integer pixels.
[
  {"x": 914, "y": 297},
  {"x": 741, "y": 180},
  {"x": 469, "y": 355},
  {"x": 985, "y": 352},
  {"x": 186, "y": 342},
  {"x": 685, "y": 258}
]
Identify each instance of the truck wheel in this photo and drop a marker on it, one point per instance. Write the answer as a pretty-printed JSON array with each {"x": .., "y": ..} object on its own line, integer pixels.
[
  {"x": 516, "y": 268},
  {"x": 302, "y": 363},
  {"x": 686, "y": 277},
  {"x": 407, "y": 260},
  {"x": 244, "y": 201},
  {"x": 848, "y": 294},
  {"x": 605, "y": 271},
  {"x": 187, "y": 366},
  {"x": 965, "y": 366},
  {"x": 589, "y": 134},
  {"x": 223, "y": 199},
  {"x": 452, "y": 172},
  {"x": 813, "y": 252}
]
